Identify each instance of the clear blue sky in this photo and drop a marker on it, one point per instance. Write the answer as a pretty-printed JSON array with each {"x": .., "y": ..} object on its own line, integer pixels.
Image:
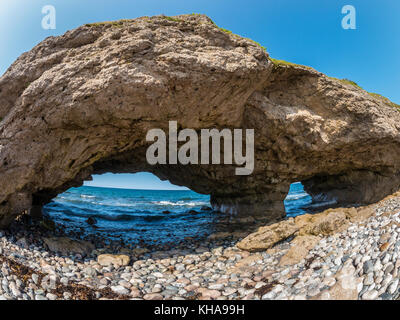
[
  {"x": 141, "y": 180},
  {"x": 307, "y": 32}
]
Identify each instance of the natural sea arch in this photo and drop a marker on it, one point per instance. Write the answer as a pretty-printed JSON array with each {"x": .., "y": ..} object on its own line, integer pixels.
[
  {"x": 82, "y": 104},
  {"x": 141, "y": 207}
]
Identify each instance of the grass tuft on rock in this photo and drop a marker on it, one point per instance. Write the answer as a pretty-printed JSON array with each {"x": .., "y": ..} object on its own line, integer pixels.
[
  {"x": 284, "y": 63},
  {"x": 385, "y": 100},
  {"x": 347, "y": 81},
  {"x": 118, "y": 23},
  {"x": 375, "y": 95},
  {"x": 238, "y": 36},
  {"x": 173, "y": 19}
]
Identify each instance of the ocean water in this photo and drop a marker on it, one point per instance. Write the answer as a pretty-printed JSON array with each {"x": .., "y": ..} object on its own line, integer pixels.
[
  {"x": 297, "y": 201},
  {"x": 147, "y": 215}
]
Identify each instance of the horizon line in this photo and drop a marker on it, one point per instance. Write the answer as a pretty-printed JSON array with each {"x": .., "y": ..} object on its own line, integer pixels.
[{"x": 124, "y": 188}]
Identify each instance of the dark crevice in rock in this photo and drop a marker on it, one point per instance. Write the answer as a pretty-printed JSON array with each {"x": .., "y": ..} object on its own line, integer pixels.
[{"x": 354, "y": 187}]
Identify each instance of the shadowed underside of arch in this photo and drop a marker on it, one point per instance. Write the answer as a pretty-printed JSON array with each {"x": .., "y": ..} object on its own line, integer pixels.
[{"x": 82, "y": 104}]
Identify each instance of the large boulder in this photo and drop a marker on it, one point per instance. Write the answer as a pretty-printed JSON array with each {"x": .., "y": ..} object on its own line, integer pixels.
[
  {"x": 112, "y": 259},
  {"x": 306, "y": 230},
  {"x": 82, "y": 104},
  {"x": 299, "y": 250},
  {"x": 266, "y": 237},
  {"x": 322, "y": 224},
  {"x": 67, "y": 246}
]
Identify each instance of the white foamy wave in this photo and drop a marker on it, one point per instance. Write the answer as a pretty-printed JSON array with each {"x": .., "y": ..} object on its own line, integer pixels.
[
  {"x": 296, "y": 196},
  {"x": 85, "y": 196},
  {"x": 116, "y": 204},
  {"x": 180, "y": 203}
]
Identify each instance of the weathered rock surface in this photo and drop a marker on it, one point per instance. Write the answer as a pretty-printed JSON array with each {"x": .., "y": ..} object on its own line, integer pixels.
[
  {"x": 111, "y": 259},
  {"x": 82, "y": 103},
  {"x": 301, "y": 245},
  {"x": 322, "y": 224},
  {"x": 267, "y": 236},
  {"x": 346, "y": 287},
  {"x": 67, "y": 246},
  {"x": 306, "y": 229}
]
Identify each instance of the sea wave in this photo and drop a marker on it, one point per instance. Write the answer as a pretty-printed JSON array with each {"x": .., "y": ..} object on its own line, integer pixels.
[
  {"x": 109, "y": 203},
  {"x": 180, "y": 203},
  {"x": 295, "y": 196},
  {"x": 108, "y": 216},
  {"x": 119, "y": 204},
  {"x": 86, "y": 196}
]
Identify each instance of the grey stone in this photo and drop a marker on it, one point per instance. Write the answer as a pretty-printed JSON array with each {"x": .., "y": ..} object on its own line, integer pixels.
[{"x": 368, "y": 267}]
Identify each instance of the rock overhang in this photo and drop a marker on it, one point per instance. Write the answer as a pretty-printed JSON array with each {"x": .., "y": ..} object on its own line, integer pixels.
[{"x": 82, "y": 103}]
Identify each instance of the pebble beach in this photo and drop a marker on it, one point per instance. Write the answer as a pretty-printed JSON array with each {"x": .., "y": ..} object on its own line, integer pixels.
[{"x": 361, "y": 262}]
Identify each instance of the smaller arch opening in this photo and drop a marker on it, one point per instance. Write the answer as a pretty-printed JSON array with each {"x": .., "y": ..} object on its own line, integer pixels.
[{"x": 299, "y": 202}]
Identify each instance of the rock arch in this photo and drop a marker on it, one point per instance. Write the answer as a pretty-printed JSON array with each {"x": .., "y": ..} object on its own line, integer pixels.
[{"x": 82, "y": 103}]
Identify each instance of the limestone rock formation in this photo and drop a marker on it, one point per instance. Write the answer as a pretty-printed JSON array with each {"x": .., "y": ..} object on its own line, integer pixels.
[
  {"x": 82, "y": 103},
  {"x": 299, "y": 250},
  {"x": 266, "y": 237},
  {"x": 305, "y": 230}
]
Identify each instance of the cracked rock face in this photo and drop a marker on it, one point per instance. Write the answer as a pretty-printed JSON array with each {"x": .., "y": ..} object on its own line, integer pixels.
[{"x": 82, "y": 104}]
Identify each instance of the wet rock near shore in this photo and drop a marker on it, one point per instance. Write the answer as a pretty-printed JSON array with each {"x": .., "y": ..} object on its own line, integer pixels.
[
  {"x": 67, "y": 246},
  {"x": 91, "y": 221}
]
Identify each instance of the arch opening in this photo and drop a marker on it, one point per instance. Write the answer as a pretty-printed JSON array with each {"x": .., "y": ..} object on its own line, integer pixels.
[
  {"x": 299, "y": 201},
  {"x": 142, "y": 209},
  {"x": 134, "y": 209}
]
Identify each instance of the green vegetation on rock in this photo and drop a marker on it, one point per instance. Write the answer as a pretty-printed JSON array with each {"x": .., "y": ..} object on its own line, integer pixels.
[
  {"x": 375, "y": 95},
  {"x": 236, "y": 35},
  {"x": 287, "y": 64},
  {"x": 118, "y": 23},
  {"x": 385, "y": 100},
  {"x": 200, "y": 14},
  {"x": 347, "y": 81},
  {"x": 173, "y": 19},
  {"x": 258, "y": 44}
]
